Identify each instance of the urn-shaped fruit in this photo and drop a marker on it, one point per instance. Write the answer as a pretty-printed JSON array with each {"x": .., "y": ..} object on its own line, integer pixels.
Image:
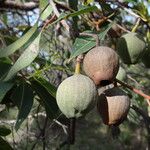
[
  {"x": 76, "y": 96},
  {"x": 113, "y": 106},
  {"x": 130, "y": 48},
  {"x": 101, "y": 64}
]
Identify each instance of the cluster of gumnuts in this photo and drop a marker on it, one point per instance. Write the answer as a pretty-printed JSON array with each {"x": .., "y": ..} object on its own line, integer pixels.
[{"x": 78, "y": 94}]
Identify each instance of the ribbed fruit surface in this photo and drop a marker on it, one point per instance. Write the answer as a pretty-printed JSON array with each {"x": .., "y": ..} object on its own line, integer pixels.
[
  {"x": 113, "y": 106},
  {"x": 130, "y": 47},
  {"x": 76, "y": 96},
  {"x": 101, "y": 64}
]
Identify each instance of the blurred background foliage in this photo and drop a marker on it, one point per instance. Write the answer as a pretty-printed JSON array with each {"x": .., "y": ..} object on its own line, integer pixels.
[{"x": 39, "y": 40}]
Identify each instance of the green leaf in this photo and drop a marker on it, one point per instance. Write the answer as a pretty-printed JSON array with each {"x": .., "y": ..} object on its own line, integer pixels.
[
  {"x": 4, "y": 88},
  {"x": 49, "y": 87},
  {"x": 4, "y": 52},
  {"x": 42, "y": 4},
  {"x": 83, "y": 44},
  {"x": 85, "y": 9},
  {"x": 47, "y": 99},
  {"x": 10, "y": 39},
  {"x": 4, "y": 145},
  {"x": 4, "y": 131},
  {"x": 48, "y": 10},
  {"x": 26, "y": 58},
  {"x": 5, "y": 65},
  {"x": 23, "y": 98}
]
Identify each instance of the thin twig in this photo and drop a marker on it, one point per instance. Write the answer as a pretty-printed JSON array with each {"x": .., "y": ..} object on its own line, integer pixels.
[
  {"x": 128, "y": 9},
  {"x": 136, "y": 25},
  {"x": 64, "y": 127},
  {"x": 119, "y": 26},
  {"x": 37, "y": 119},
  {"x": 147, "y": 97},
  {"x": 28, "y": 6},
  {"x": 132, "y": 79},
  {"x": 49, "y": 21},
  {"x": 63, "y": 6},
  {"x": 125, "y": 7},
  {"x": 63, "y": 22}
]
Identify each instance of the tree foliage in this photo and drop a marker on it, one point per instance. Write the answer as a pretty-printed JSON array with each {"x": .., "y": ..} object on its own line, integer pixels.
[{"x": 39, "y": 41}]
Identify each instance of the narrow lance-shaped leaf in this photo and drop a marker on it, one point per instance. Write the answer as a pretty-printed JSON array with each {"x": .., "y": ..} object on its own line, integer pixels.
[
  {"x": 42, "y": 4},
  {"x": 46, "y": 98},
  {"x": 4, "y": 145},
  {"x": 5, "y": 66},
  {"x": 48, "y": 10},
  {"x": 4, "y": 88},
  {"x": 23, "y": 97},
  {"x": 83, "y": 10},
  {"x": 83, "y": 44},
  {"x": 48, "y": 86},
  {"x": 4, "y": 52},
  {"x": 26, "y": 58}
]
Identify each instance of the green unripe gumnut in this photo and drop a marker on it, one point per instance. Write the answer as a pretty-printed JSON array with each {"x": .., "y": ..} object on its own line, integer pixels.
[
  {"x": 121, "y": 74},
  {"x": 146, "y": 57},
  {"x": 76, "y": 96},
  {"x": 130, "y": 47}
]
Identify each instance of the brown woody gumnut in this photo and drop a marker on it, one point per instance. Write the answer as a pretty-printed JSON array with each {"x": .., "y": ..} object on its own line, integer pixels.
[
  {"x": 113, "y": 106},
  {"x": 101, "y": 64}
]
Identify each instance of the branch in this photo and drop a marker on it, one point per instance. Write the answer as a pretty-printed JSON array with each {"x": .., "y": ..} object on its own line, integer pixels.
[
  {"x": 128, "y": 9},
  {"x": 56, "y": 12},
  {"x": 64, "y": 127},
  {"x": 119, "y": 26},
  {"x": 21, "y": 6},
  {"x": 147, "y": 97}
]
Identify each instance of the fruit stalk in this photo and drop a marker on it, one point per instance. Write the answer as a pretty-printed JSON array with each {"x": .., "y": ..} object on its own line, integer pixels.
[
  {"x": 136, "y": 25},
  {"x": 78, "y": 64},
  {"x": 72, "y": 124}
]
